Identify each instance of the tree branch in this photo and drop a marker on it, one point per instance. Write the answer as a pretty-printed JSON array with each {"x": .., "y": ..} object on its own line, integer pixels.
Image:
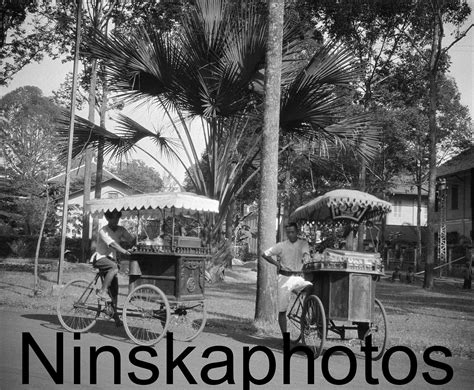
[
  {"x": 413, "y": 44},
  {"x": 459, "y": 37}
]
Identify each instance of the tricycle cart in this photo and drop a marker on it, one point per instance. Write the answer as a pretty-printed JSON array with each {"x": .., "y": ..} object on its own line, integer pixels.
[
  {"x": 343, "y": 280},
  {"x": 166, "y": 272}
]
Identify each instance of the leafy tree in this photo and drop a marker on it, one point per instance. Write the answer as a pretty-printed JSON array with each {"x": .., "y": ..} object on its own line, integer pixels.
[
  {"x": 371, "y": 28},
  {"x": 405, "y": 92},
  {"x": 32, "y": 29},
  {"x": 13, "y": 14},
  {"x": 28, "y": 141},
  {"x": 29, "y": 148},
  {"x": 139, "y": 175},
  {"x": 385, "y": 34},
  {"x": 28, "y": 35},
  {"x": 425, "y": 36}
]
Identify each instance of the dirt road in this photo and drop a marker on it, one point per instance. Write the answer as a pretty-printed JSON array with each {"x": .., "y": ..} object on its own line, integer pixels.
[{"x": 243, "y": 360}]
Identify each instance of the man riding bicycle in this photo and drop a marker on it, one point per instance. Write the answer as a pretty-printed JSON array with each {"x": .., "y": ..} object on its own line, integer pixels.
[{"x": 110, "y": 241}]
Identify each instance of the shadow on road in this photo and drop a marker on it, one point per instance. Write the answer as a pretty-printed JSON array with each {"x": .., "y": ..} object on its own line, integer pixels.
[
  {"x": 104, "y": 327},
  {"x": 232, "y": 328}
]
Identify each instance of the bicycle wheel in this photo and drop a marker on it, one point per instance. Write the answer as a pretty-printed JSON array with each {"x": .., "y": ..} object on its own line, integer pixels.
[
  {"x": 77, "y": 307},
  {"x": 313, "y": 324},
  {"x": 294, "y": 317},
  {"x": 187, "y": 320},
  {"x": 378, "y": 329},
  {"x": 146, "y": 315}
]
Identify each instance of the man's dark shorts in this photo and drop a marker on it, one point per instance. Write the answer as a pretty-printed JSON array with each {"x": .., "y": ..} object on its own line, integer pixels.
[{"x": 105, "y": 264}]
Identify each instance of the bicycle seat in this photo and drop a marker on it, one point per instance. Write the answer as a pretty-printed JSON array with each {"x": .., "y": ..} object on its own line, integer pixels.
[
  {"x": 300, "y": 286},
  {"x": 100, "y": 273}
]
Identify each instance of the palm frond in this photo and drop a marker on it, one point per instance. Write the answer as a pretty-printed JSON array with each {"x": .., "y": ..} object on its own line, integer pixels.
[
  {"x": 306, "y": 102},
  {"x": 131, "y": 132},
  {"x": 138, "y": 65},
  {"x": 86, "y": 134},
  {"x": 358, "y": 133},
  {"x": 333, "y": 64},
  {"x": 204, "y": 68},
  {"x": 309, "y": 99}
]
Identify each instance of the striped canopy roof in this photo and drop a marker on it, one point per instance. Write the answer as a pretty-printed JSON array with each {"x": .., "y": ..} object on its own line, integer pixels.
[
  {"x": 180, "y": 202},
  {"x": 342, "y": 204}
]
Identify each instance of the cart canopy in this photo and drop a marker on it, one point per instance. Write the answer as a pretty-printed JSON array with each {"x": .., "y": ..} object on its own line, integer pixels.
[
  {"x": 182, "y": 202},
  {"x": 342, "y": 204}
]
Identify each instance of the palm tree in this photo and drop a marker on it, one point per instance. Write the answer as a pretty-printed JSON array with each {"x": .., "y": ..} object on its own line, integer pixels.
[{"x": 211, "y": 68}]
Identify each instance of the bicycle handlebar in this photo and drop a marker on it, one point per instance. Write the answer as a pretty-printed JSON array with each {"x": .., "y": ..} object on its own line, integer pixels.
[{"x": 290, "y": 273}]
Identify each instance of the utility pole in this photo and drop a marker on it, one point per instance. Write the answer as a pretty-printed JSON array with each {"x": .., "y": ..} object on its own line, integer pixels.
[{"x": 70, "y": 143}]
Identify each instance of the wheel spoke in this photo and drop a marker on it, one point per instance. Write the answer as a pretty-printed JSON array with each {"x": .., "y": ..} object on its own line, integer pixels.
[
  {"x": 146, "y": 315},
  {"x": 294, "y": 316},
  {"x": 77, "y": 307},
  {"x": 313, "y": 324},
  {"x": 378, "y": 329},
  {"x": 188, "y": 320}
]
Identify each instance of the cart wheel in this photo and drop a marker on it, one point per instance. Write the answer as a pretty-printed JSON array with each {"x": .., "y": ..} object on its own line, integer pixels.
[
  {"x": 294, "y": 316},
  {"x": 77, "y": 306},
  {"x": 378, "y": 329},
  {"x": 187, "y": 320},
  {"x": 146, "y": 315},
  {"x": 313, "y": 324}
]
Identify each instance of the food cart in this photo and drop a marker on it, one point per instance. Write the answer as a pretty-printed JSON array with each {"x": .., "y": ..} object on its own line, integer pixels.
[
  {"x": 343, "y": 279},
  {"x": 166, "y": 268}
]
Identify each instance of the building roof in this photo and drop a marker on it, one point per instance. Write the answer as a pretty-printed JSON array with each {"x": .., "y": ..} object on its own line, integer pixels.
[
  {"x": 108, "y": 182},
  {"x": 79, "y": 172},
  {"x": 462, "y": 162},
  {"x": 405, "y": 185}
]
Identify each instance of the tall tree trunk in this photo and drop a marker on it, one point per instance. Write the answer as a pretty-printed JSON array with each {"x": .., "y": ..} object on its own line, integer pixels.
[
  {"x": 265, "y": 309},
  {"x": 38, "y": 244},
  {"x": 433, "y": 76},
  {"x": 418, "y": 217},
  {"x": 472, "y": 207},
  {"x": 286, "y": 208}
]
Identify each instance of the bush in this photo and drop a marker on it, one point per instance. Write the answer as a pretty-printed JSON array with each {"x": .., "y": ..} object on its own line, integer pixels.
[
  {"x": 25, "y": 246},
  {"x": 5, "y": 229},
  {"x": 52, "y": 245},
  {"x": 22, "y": 247},
  {"x": 5, "y": 249}
]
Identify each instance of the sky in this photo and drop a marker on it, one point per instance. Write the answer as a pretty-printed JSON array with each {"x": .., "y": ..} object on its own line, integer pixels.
[{"x": 49, "y": 74}]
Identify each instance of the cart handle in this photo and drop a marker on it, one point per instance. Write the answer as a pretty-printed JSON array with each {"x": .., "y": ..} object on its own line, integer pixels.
[{"x": 291, "y": 273}]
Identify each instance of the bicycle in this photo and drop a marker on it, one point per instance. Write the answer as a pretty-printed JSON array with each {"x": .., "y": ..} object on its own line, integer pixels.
[
  {"x": 306, "y": 319},
  {"x": 145, "y": 314}
]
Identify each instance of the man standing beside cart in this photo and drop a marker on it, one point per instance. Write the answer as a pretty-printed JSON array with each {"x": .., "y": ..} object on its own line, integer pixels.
[
  {"x": 291, "y": 255},
  {"x": 110, "y": 241}
]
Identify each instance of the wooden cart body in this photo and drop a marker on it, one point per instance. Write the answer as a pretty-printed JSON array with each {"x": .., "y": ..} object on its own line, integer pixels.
[
  {"x": 181, "y": 276},
  {"x": 345, "y": 283}
]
